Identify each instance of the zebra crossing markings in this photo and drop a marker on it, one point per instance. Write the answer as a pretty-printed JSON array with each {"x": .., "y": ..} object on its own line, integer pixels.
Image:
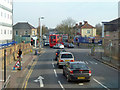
[{"x": 87, "y": 62}]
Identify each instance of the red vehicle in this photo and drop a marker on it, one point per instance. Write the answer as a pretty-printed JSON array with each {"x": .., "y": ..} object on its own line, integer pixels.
[{"x": 54, "y": 39}]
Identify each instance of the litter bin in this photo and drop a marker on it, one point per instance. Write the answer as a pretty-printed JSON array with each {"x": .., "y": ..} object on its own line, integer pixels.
[{"x": 36, "y": 52}]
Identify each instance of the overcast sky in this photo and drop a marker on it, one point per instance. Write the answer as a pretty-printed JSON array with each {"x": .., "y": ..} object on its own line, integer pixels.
[{"x": 55, "y": 11}]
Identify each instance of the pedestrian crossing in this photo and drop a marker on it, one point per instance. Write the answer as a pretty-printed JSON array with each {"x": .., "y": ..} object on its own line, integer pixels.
[{"x": 89, "y": 62}]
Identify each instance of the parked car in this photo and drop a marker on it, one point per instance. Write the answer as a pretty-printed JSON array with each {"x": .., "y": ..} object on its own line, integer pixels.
[
  {"x": 75, "y": 71},
  {"x": 58, "y": 46},
  {"x": 46, "y": 43},
  {"x": 65, "y": 57},
  {"x": 66, "y": 44},
  {"x": 70, "y": 45},
  {"x": 58, "y": 52}
]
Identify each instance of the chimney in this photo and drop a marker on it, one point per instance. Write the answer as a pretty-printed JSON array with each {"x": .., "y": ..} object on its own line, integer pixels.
[
  {"x": 80, "y": 23},
  {"x": 85, "y": 22},
  {"x": 76, "y": 25}
]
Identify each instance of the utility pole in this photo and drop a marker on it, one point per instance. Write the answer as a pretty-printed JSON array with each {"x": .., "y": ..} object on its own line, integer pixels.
[{"x": 39, "y": 35}]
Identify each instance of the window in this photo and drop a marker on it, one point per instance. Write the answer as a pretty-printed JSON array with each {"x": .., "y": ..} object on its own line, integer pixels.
[
  {"x": 26, "y": 32},
  {"x": 4, "y": 31},
  {"x": 16, "y": 32},
  {"x": 1, "y": 31},
  {"x": 33, "y": 32},
  {"x": 88, "y": 31},
  {"x": 5, "y": 15},
  {"x": 66, "y": 56},
  {"x": 8, "y": 16}
]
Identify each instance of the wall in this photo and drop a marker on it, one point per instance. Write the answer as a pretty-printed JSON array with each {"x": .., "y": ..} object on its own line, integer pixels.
[
  {"x": 111, "y": 44},
  {"x": 91, "y": 34},
  {"x": 12, "y": 53}
]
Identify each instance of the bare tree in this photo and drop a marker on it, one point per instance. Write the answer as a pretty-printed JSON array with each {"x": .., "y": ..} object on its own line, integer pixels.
[{"x": 66, "y": 26}]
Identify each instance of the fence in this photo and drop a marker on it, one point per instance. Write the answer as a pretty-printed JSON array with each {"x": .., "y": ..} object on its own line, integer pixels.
[
  {"x": 19, "y": 39},
  {"x": 12, "y": 52}
]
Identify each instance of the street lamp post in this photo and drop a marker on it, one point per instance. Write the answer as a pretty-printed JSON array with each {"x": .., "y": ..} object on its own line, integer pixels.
[{"x": 40, "y": 31}]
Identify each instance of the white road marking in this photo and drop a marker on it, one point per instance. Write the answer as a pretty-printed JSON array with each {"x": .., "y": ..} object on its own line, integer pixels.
[
  {"x": 110, "y": 67},
  {"x": 53, "y": 65},
  {"x": 39, "y": 79},
  {"x": 91, "y": 62},
  {"x": 52, "y": 60},
  {"x": 81, "y": 84},
  {"x": 86, "y": 62},
  {"x": 61, "y": 85},
  {"x": 55, "y": 72},
  {"x": 100, "y": 84}
]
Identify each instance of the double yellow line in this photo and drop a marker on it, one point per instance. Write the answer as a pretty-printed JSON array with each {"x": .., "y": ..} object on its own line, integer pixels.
[
  {"x": 24, "y": 85},
  {"x": 28, "y": 76}
]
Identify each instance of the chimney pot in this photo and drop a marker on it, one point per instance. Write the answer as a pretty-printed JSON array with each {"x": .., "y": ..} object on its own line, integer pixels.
[{"x": 85, "y": 22}]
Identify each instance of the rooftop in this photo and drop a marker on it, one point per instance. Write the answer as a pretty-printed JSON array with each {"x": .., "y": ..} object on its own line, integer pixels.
[{"x": 23, "y": 25}]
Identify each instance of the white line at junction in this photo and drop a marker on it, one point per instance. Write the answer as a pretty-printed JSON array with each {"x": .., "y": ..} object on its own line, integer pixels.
[
  {"x": 61, "y": 85},
  {"x": 101, "y": 84},
  {"x": 55, "y": 72}
]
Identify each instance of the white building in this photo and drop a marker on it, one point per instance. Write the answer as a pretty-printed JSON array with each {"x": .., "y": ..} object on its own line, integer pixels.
[{"x": 6, "y": 20}]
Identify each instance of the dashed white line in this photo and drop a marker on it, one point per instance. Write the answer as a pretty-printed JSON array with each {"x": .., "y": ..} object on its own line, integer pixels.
[
  {"x": 53, "y": 65},
  {"x": 61, "y": 85},
  {"x": 55, "y": 72},
  {"x": 100, "y": 84},
  {"x": 86, "y": 62}
]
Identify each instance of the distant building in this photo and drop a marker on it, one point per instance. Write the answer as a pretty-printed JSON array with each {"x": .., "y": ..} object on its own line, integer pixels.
[
  {"x": 85, "y": 30},
  {"x": 24, "y": 29},
  {"x": 111, "y": 34},
  {"x": 6, "y": 21}
]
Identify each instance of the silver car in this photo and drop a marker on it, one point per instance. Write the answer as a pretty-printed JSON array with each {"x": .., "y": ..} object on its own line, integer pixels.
[{"x": 65, "y": 57}]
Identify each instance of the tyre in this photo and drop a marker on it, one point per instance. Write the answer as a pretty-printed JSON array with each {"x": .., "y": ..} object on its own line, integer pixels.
[{"x": 88, "y": 80}]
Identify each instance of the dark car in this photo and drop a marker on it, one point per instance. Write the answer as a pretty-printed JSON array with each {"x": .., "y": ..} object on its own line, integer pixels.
[
  {"x": 58, "y": 52},
  {"x": 76, "y": 71},
  {"x": 70, "y": 45}
]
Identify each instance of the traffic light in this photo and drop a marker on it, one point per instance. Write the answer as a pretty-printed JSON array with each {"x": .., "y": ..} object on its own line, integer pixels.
[
  {"x": 31, "y": 41},
  {"x": 93, "y": 40},
  {"x": 76, "y": 39}
]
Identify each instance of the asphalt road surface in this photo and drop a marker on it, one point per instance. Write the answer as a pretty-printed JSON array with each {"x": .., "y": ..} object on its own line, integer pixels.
[{"x": 46, "y": 74}]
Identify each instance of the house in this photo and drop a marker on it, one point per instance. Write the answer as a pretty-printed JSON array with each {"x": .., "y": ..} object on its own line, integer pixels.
[
  {"x": 85, "y": 30},
  {"x": 24, "y": 30},
  {"x": 6, "y": 20},
  {"x": 111, "y": 34}
]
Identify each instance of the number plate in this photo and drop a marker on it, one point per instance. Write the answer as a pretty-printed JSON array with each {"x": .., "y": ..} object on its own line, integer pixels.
[
  {"x": 81, "y": 77},
  {"x": 67, "y": 60}
]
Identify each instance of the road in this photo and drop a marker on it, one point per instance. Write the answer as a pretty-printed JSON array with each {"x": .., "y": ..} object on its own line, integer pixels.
[{"x": 103, "y": 76}]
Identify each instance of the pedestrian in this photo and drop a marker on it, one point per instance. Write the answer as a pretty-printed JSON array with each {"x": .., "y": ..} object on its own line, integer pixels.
[
  {"x": 20, "y": 53},
  {"x": 20, "y": 56}
]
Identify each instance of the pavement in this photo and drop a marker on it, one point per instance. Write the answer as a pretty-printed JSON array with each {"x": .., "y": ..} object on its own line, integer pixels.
[{"x": 18, "y": 76}]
